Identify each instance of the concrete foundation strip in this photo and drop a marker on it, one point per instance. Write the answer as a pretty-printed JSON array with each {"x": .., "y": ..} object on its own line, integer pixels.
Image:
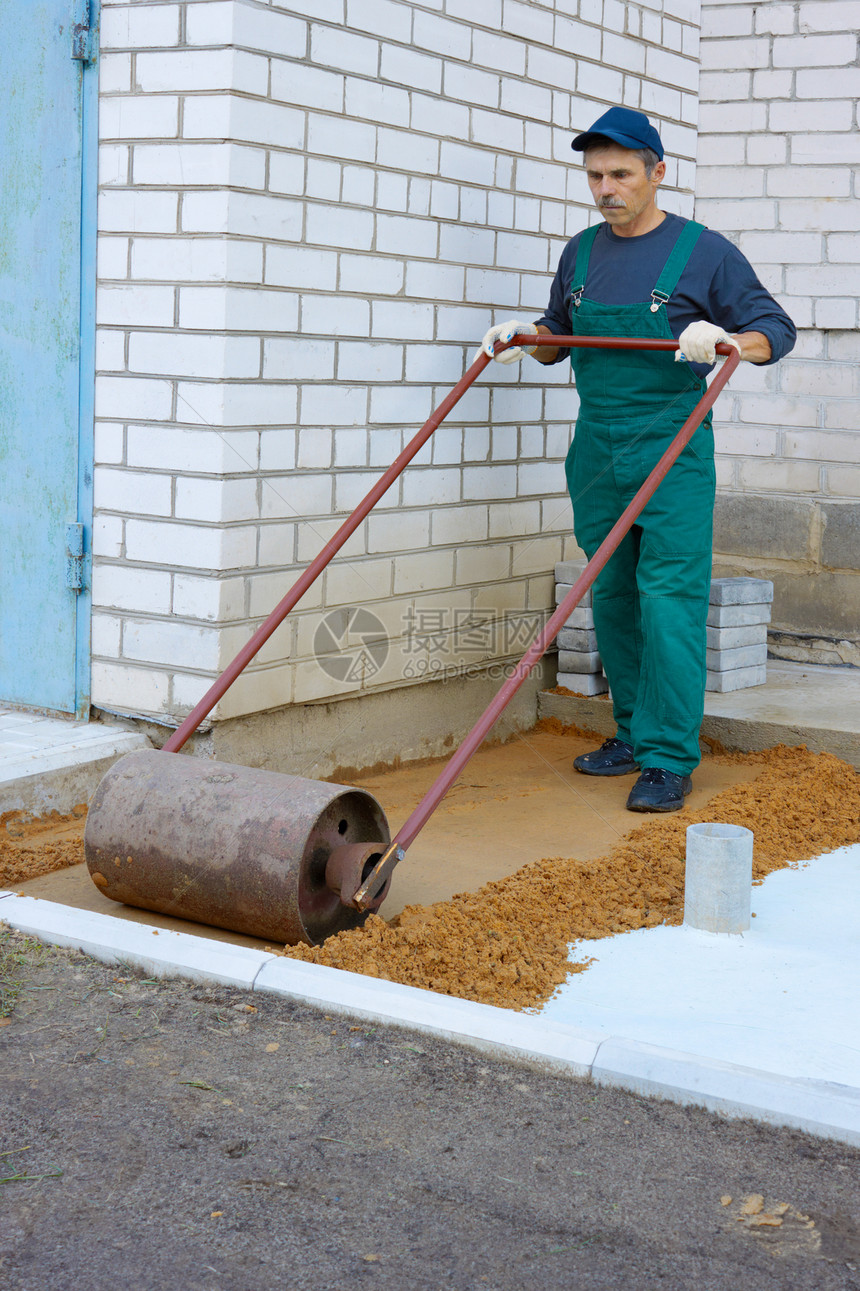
[{"x": 818, "y": 1107}]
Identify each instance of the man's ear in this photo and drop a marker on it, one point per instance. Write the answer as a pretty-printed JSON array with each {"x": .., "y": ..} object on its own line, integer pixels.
[{"x": 658, "y": 174}]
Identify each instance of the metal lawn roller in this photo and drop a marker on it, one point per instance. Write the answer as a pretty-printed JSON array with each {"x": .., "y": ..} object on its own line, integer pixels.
[{"x": 274, "y": 855}]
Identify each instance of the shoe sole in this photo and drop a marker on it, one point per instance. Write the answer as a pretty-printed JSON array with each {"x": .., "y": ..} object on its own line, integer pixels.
[
  {"x": 628, "y": 769},
  {"x": 652, "y": 807}
]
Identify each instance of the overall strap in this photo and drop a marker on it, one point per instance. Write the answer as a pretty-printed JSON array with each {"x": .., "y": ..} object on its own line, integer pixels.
[
  {"x": 583, "y": 255},
  {"x": 676, "y": 263}
]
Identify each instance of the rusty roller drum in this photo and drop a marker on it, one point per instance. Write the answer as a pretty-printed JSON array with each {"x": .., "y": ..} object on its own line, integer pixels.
[{"x": 232, "y": 846}]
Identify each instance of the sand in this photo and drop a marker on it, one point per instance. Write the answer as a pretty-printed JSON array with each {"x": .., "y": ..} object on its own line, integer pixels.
[
  {"x": 507, "y": 943},
  {"x": 30, "y": 846}
]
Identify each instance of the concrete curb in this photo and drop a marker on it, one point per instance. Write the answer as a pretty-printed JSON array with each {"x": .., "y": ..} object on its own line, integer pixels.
[
  {"x": 58, "y": 778},
  {"x": 815, "y": 1106}
]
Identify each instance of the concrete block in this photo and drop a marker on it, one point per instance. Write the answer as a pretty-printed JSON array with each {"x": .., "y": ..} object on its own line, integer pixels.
[
  {"x": 155, "y": 950},
  {"x": 752, "y": 525},
  {"x": 581, "y": 617},
  {"x": 738, "y": 616},
  {"x": 819, "y": 1107},
  {"x": 743, "y": 657},
  {"x": 736, "y": 679},
  {"x": 731, "y": 638},
  {"x": 579, "y": 639},
  {"x": 497, "y": 1032},
  {"x": 583, "y": 683},
  {"x": 840, "y": 541},
  {"x": 740, "y": 591},
  {"x": 579, "y": 661},
  {"x": 566, "y": 585}
]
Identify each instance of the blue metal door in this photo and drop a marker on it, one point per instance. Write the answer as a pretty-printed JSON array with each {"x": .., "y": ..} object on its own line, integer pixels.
[{"x": 46, "y": 238}]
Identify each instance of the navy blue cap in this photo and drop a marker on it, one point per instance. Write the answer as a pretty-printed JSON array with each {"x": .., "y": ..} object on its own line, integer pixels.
[{"x": 622, "y": 125}]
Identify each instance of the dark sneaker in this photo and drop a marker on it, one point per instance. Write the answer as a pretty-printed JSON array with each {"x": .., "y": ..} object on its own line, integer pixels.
[
  {"x": 659, "y": 790},
  {"x": 614, "y": 757}
]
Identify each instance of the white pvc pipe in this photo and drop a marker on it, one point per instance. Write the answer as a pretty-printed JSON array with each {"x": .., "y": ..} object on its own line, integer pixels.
[{"x": 718, "y": 878}]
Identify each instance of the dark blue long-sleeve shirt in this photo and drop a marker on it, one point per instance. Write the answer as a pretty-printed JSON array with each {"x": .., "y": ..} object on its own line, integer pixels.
[{"x": 718, "y": 284}]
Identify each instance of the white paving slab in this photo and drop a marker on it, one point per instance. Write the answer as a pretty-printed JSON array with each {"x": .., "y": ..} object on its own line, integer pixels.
[
  {"x": 782, "y": 998},
  {"x": 48, "y": 764}
]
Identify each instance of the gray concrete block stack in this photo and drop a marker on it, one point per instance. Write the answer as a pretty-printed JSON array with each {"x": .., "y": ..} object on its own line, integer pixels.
[
  {"x": 579, "y": 666},
  {"x": 738, "y": 617}
]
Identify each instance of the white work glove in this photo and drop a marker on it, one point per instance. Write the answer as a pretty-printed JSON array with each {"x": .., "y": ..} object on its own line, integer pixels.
[
  {"x": 503, "y": 332},
  {"x": 697, "y": 342}
]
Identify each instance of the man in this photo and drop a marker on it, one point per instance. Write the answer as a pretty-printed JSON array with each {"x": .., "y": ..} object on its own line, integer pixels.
[{"x": 643, "y": 272}]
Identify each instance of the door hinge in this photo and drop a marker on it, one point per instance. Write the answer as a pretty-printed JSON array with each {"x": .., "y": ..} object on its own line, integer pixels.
[
  {"x": 75, "y": 557},
  {"x": 81, "y": 31}
]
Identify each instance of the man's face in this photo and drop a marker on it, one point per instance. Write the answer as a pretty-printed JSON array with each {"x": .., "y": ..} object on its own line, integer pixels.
[{"x": 622, "y": 191}]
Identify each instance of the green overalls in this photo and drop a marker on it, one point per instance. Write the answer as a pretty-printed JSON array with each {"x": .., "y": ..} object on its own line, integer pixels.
[{"x": 651, "y": 599}]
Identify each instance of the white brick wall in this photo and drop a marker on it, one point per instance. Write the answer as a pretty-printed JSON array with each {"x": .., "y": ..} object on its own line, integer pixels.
[
  {"x": 309, "y": 215},
  {"x": 779, "y": 173}
]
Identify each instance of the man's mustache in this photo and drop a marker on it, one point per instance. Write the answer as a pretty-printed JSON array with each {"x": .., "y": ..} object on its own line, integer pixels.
[{"x": 611, "y": 203}]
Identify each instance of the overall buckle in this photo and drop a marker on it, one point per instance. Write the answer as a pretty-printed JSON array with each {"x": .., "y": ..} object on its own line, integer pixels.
[{"x": 658, "y": 298}]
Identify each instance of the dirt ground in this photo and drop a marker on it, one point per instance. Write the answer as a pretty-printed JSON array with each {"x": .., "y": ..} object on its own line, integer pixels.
[{"x": 157, "y": 1136}]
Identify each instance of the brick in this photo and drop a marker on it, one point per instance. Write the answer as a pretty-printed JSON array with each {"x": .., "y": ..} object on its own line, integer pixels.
[
  {"x": 298, "y": 358},
  {"x": 527, "y": 21},
  {"x": 814, "y": 51},
  {"x": 673, "y": 69},
  {"x": 736, "y": 679},
  {"x": 381, "y": 17},
  {"x": 148, "y": 212},
  {"x": 784, "y": 181},
  {"x": 135, "y": 305},
  {"x": 843, "y": 481},
  {"x": 132, "y": 492},
  {"x": 780, "y": 477},
  {"x": 170, "y": 643},
  {"x": 182, "y": 354},
  {"x": 197, "y": 259},
  {"x": 208, "y": 598},
  {"x": 828, "y": 15},
  {"x": 278, "y": 450},
  {"x": 138, "y": 117},
  {"x": 729, "y": 660},
  {"x": 373, "y": 101},
  {"x": 184, "y": 71},
  {"x": 139, "y": 27},
  {"x": 114, "y": 165},
  {"x": 820, "y": 215},
  {"x": 216, "y": 501},
  {"x": 725, "y": 617},
  {"x": 731, "y": 638},
  {"x": 237, "y": 403},
  {"x": 740, "y": 591},
  {"x": 836, "y": 313},
  {"x": 456, "y": 525},
  {"x": 335, "y": 316},
  {"x": 131, "y": 690},
  {"x": 238, "y": 309},
  {"x": 578, "y": 661},
  {"x": 189, "y": 546},
  {"x": 829, "y": 379},
  {"x": 130, "y": 398},
  {"x": 574, "y": 569},
  {"x": 345, "y": 50},
  {"x": 122, "y": 588},
  {"x": 310, "y": 87},
  {"x": 229, "y": 116},
  {"x": 114, "y": 73}
]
